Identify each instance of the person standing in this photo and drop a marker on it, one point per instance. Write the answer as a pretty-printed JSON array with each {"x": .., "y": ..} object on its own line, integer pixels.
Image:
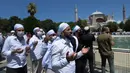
[
  {"x": 80, "y": 64},
  {"x": 87, "y": 40},
  {"x": 105, "y": 44},
  {"x": 15, "y": 49},
  {"x": 38, "y": 49},
  {"x": 1, "y": 45},
  {"x": 63, "y": 55},
  {"x": 46, "y": 61}
]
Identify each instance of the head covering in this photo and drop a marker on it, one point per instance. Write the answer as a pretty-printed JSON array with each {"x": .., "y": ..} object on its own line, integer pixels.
[
  {"x": 41, "y": 30},
  {"x": 12, "y": 31},
  {"x": 36, "y": 28},
  {"x": 16, "y": 26},
  {"x": 86, "y": 28},
  {"x": 62, "y": 27},
  {"x": 50, "y": 32},
  {"x": 76, "y": 28}
]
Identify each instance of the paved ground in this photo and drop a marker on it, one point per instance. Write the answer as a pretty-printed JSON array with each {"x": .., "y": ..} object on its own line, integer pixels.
[{"x": 118, "y": 69}]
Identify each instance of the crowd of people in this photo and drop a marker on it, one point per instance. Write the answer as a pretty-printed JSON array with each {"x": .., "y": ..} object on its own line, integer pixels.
[{"x": 64, "y": 51}]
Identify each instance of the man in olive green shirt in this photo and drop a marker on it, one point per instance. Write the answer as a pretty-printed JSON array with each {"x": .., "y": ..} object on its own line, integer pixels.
[{"x": 105, "y": 44}]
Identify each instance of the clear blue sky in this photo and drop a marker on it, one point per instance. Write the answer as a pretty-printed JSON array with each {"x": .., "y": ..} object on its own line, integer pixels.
[{"x": 63, "y": 10}]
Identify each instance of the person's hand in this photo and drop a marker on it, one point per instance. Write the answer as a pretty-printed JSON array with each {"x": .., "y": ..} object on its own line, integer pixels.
[
  {"x": 70, "y": 57},
  {"x": 19, "y": 50},
  {"x": 35, "y": 43},
  {"x": 85, "y": 50},
  {"x": 27, "y": 49}
]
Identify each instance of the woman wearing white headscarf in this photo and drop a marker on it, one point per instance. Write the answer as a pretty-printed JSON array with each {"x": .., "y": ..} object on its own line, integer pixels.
[
  {"x": 63, "y": 55},
  {"x": 15, "y": 49}
]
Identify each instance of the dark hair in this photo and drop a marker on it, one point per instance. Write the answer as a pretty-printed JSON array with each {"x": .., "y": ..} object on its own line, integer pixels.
[{"x": 104, "y": 29}]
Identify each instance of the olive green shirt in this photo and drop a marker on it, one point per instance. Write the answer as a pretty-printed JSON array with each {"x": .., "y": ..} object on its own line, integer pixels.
[{"x": 104, "y": 44}]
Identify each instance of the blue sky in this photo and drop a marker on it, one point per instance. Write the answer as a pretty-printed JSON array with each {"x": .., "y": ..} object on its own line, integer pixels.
[{"x": 63, "y": 10}]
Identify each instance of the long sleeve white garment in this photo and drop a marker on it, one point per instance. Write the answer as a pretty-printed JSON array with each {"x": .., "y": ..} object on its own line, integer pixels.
[
  {"x": 40, "y": 49},
  {"x": 59, "y": 61},
  {"x": 14, "y": 60},
  {"x": 46, "y": 61}
]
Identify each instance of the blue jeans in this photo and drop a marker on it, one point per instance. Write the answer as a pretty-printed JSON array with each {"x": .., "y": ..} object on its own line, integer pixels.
[{"x": 110, "y": 61}]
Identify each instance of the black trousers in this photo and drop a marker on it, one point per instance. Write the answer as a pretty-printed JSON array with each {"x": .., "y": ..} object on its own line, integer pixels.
[
  {"x": 17, "y": 70},
  {"x": 81, "y": 63}
]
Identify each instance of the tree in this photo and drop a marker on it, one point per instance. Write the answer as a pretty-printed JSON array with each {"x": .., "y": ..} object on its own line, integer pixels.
[
  {"x": 30, "y": 23},
  {"x": 31, "y": 9},
  {"x": 121, "y": 25},
  {"x": 113, "y": 26},
  {"x": 13, "y": 20},
  {"x": 127, "y": 25},
  {"x": 4, "y": 25},
  {"x": 82, "y": 23},
  {"x": 48, "y": 24},
  {"x": 72, "y": 24}
]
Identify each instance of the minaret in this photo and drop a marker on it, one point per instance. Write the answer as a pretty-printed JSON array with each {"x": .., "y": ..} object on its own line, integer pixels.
[
  {"x": 112, "y": 16},
  {"x": 124, "y": 15},
  {"x": 76, "y": 13}
]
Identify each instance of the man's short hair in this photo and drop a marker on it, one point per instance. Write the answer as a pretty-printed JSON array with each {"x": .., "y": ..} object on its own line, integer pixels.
[{"x": 104, "y": 29}]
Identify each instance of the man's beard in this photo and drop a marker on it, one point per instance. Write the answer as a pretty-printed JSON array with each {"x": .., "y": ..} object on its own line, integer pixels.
[{"x": 69, "y": 37}]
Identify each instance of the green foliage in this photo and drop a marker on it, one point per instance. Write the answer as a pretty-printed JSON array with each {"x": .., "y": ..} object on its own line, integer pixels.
[
  {"x": 121, "y": 25},
  {"x": 30, "y": 23},
  {"x": 113, "y": 26},
  {"x": 31, "y": 9},
  {"x": 127, "y": 25},
  {"x": 82, "y": 23},
  {"x": 72, "y": 24},
  {"x": 4, "y": 25},
  {"x": 13, "y": 20},
  {"x": 48, "y": 24}
]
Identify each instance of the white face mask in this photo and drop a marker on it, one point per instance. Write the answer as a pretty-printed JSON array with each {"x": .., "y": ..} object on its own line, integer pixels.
[
  {"x": 20, "y": 33},
  {"x": 39, "y": 33},
  {"x": 53, "y": 38}
]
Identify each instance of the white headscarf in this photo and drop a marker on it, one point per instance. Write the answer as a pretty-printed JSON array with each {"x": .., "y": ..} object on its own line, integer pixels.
[
  {"x": 62, "y": 27},
  {"x": 50, "y": 32},
  {"x": 16, "y": 26},
  {"x": 76, "y": 28}
]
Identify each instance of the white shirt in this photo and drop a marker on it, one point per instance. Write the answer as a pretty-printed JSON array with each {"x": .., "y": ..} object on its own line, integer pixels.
[
  {"x": 16, "y": 60},
  {"x": 46, "y": 61},
  {"x": 40, "y": 49},
  {"x": 59, "y": 61},
  {"x": 1, "y": 40}
]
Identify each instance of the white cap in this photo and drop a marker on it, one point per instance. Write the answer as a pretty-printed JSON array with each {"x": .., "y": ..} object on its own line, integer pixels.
[
  {"x": 86, "y": 28},
  {"x": 36, "y": 28},
  {"x": 12, "y": 31},
  {"x": 62, "y": 27},
  {"x": 41, "y": 30},
  {"x": 76, "y": 28},
  {"x": 16, "y": 26},
  {"x": 50, "y": 32}
]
